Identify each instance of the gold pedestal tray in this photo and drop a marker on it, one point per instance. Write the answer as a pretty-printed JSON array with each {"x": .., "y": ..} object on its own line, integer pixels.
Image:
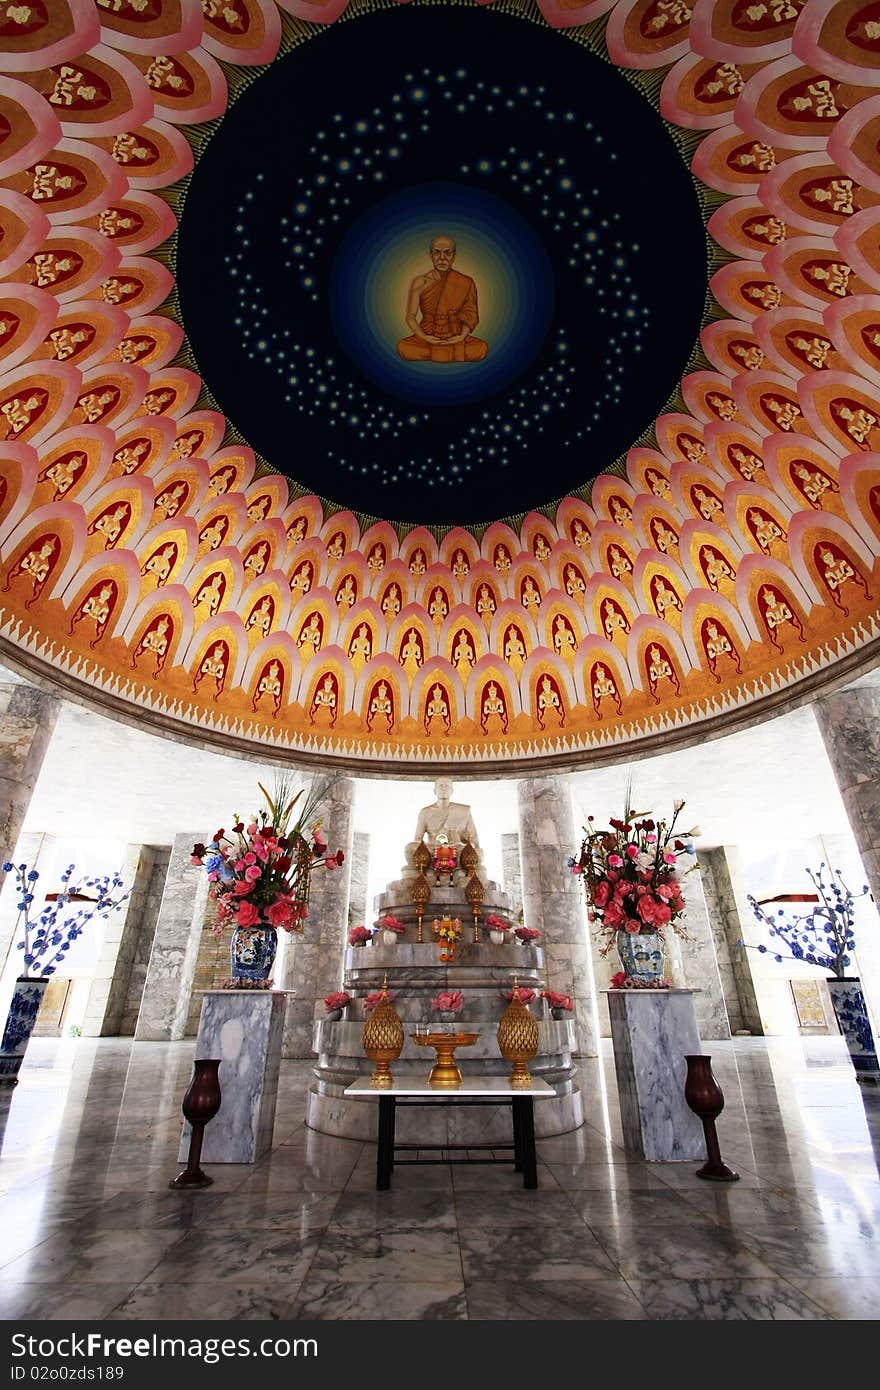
[{"x": 444, "y": 1073}]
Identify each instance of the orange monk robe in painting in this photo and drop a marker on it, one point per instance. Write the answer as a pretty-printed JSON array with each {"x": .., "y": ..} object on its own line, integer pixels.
[{"x": 447, "y": 306}]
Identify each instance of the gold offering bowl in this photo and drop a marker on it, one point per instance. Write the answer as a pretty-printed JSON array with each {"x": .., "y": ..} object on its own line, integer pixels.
[{"x": 444, "y": 1073}]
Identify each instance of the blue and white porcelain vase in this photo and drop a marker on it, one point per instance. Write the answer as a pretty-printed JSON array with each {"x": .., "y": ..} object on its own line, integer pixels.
[
  {"x": 641, "y": 957},
  {"x": 27, "y": 996},
  {"x": 848, "y": 1002},
  {"x": 252, "y": 952}
]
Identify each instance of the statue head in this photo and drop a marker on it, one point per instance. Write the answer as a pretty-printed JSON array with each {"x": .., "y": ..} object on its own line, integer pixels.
[
  {"x": 442, "y": 253},
  {"x": 443, "y": 788}
]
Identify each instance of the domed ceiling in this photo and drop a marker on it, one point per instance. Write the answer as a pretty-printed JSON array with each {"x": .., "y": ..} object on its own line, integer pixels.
[{"x": 472, "y": 384}]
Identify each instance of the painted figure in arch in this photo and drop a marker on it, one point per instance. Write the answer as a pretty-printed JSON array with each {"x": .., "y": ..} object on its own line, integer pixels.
[
  {"x": 63, "y": 473},
  {"x": 360, "y": 648},
  {"x": 614, "y": 620},
  {"x": 111, "y": 523},
  {"x": 442, "y": 312},
  {"x": 336, "y": 546},
  {"x": 549, "y": 702},
  {"x": 97, "y": 606},
  {"x": 657, "y": 483},
  {"x": 603, "y": 686},
  {"x": 438, "y": 608},
  {"x": 417, "y": 565},
  {"x": 380, "y": 707},
  {"x": 660, "y": 668},
  {"x": 346, "y": 594},
  {"x": 156, "y": 641},
  {"x": 709, "y": 506},
  {"x": 530, "y": 596},
  {"x": 855, "y": 420},
  {"x": 129, "y": 457},
  {"x": 782, "y": 413},
  {"x": 665, "y": 538},
  {"x": 747, "y": 464},
  {"x": 21, "y": 411},
  {"x": 325, "y": 704},
  {"x": 463, "y": 653},
  {"x": 296, "y": 531},
  {"x": 619, "y": 562},
  {"x": 765, "y": 530},
  {"x": 161, "y": 563},
  {"x": 812, "y": 482},
  {"x": 502, "y": 560},
  {"x": 486, "y": 604},
  {"x": 258, "y": 510},
  {"x": 579, "y": 534},
  {"x": 621, "y": 512},
  {"x": 301, "y": 580},
  {"x": 271, "y": 683},
  {"x": 493, "y": 707},
  {"x": 564, "y": 642},
  {"x": 211, "y": 593},
  {"x": 836, "y": 571},
  {"x": 460, "y": 567},
  {"x": 574, "y": 583},
  {"x": 255, "y": 560},
  {"x": 437, "y": 708},
  {"x": 514, "y": 649},
  {"x": 261, "y": 617},
  {"x": 718, "y": 646},
  {"x": 214, "y": 668},
  {"x": 776, "y": 612},
  {"x": 411, "y": 654},
  {"x": 170, "y": 500},
  {"x": 541, "y": 549},
  {"x": 666, "y": 600},
  {"x": 310, "y": 636},
  {"x": 37, "y": 563},
  {"x": 391, "y": 601},
  {"x": 376, "y": 560},
  {"x": 715, "y": 568},
  {"x": 221, "y": 481}
]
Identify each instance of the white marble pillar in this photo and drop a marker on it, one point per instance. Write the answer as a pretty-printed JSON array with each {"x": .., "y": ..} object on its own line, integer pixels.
[
  {"x": 360, "y": 871},
  {"x": 552, "y": 897},
  {"x": 27, "y": 721},
  {"x": 697, "y": 963},
  {"x": 511, "y": 873},
  {"x": 722, "y": 884},
  {"x": 313, "y": 962},
  {"x": 109, "y": 983},
  {"x": 165, "y": 1003},
  {"x": 653, "y": 1032},
  {"x": 243, "y": 1028}
]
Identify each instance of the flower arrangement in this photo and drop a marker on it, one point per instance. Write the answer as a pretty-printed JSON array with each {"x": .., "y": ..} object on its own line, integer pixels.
[
  {"x": 557, "y": 1001},
  {"x": 822, "y": 936},
  {"x": 447, "y": 1001},
  {"x": 373, "y": 999},
  {"x": 339, "y": 999},
  {"x": 46, "y": 941},
  {"x": 261, "y": 872},
  {"x": 242, "y": 982},
  {"x": 526, "y": 995},
  {"x": 389, "y": 923},
  {"x": 358, "y": 936},
  {"x": 526, "y": 934},
  {"x": 620, "y": 980},
  {"x": 630, "y": 874},
  {"x": 495, "y": 923}
]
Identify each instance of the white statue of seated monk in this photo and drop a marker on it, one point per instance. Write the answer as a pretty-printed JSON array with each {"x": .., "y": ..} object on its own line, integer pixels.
[{"x": 443, "y": 822}]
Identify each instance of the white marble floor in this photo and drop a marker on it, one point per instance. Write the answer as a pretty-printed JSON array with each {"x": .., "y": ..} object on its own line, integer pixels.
[{"x": 91, "y": 1231}]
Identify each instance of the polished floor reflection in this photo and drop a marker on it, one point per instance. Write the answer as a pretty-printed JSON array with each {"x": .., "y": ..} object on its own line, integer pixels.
[{"x": 90, "y": 1229}]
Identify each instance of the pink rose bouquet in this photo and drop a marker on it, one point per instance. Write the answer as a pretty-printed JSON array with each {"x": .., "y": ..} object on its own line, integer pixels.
[
  {"x": 389, "y": 923},
  {"x": 358, "y": 935},
  {"x": 526, "y": 995},
  {"x": 631, "y": 876},
  {"x": 557, "y": 1001},
  {"x": 260, "y": 872},
  {"x": 337, "y": 1000},
  {"x": 373, "y": 999},
  {"x": 526, "y": 934},
  {"x": 447, "y": 1001}
]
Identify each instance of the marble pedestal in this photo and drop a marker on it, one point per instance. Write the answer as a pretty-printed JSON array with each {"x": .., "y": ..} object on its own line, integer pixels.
[
  {"x": 244, "y": 1029},
  {"x": 652, "y": 1032}
]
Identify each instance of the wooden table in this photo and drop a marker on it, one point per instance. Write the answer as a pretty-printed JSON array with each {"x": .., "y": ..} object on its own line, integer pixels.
[{"x": 474, "y": 1090}]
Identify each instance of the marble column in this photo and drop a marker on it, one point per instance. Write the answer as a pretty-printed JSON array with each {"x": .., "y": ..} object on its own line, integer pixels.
[
  {"x": 313, "y": 962},
  {"x": 109, "y": 983},
  {"x": 358, "y": 907},
  {"x": 552, "y": 897},
  {"x": 722, "y": 884},
  {"x": 27, "y": 721},
  {"x": 849, "y": 722},
  {"x": 165, "y": 1003},
  {"x": 695, "y": 964},
  {"x": 511, "y": 873}
]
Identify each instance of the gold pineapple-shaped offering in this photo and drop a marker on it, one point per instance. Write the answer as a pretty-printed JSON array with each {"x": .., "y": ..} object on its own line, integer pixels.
[
  {"x": 382, "y": 1038},
  {"x": 517, "y": 1037}
]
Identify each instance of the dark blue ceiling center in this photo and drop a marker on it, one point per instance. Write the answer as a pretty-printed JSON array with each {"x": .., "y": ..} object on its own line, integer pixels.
[{"x": 453, "y": 390}]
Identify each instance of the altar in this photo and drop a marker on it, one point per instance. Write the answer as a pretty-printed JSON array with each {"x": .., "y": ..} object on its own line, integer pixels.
[{"x": 417, "y": 970}]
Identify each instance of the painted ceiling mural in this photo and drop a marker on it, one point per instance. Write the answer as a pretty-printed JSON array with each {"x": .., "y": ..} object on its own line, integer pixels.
[{"x": 439, "y": 382}]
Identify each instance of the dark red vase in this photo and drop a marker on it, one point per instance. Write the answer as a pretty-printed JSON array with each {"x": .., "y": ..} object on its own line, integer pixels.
[
  {"x": 200, "y": 1104},
  {"x": 706, "y": 1099}
]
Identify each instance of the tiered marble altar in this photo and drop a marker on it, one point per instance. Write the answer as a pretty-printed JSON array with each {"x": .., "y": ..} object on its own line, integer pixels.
[{"x": 415, "y": 975}]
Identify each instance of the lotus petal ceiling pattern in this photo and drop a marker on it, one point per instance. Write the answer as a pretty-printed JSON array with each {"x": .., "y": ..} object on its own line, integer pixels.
[{"x": 161, "y": 568}]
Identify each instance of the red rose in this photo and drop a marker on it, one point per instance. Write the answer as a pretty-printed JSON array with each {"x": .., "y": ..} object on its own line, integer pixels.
[
  {"x": 282, "y": 865},
  {"x": 340, "y": 857},
  {"x": 613, "y": 914},
  {"x": 647, "y": 909},
  {"x": 238, "y": 829},
  {"x": 218, "y": 835},
  {"x": 601, "y": 893},
  {"x": 198, "y": 851},
  {"x": 248, "y": 915}
]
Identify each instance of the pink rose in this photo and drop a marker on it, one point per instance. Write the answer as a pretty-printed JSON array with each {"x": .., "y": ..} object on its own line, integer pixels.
[
  {"x": 280, "y": 913},
  {"x": 632, "y": 851},
  {"x": 248, "y": 915},
  {"x": 615, "y": 861},
  {"x": 632, "y": 926},
  {"x": 250, "y": 857},
  {"x": 253, "y": 872},
  {"x": 194, "y": 859},
  {"x": 665, "y": 891},
  {"x": 242, "y": 887},
  {"x": 601, "y": 892},
  {"x": 253, "y": 829},
  {"x": 662, "y": 914},
  {"x": 239, "y": 866},
  {"x": 647, "y": 909},
  {"x": 330, "y": 861},
  {"x": 613, "y": 914},
  {"x": 668, "y": 857}
]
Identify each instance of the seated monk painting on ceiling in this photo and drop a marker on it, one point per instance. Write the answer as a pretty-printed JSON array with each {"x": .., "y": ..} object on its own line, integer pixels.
[{"x": 442, "y": 312}]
